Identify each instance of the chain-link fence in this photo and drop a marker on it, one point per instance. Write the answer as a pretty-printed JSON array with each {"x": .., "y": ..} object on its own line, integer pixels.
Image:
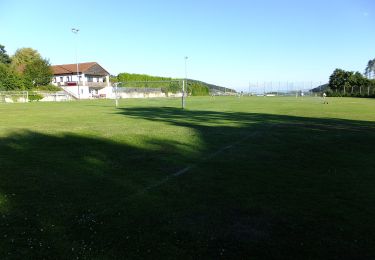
[{"x": 281, "y": 88}]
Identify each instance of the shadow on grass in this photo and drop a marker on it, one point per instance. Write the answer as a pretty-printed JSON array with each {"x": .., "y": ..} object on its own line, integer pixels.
[{"x": 284, "y": 187}]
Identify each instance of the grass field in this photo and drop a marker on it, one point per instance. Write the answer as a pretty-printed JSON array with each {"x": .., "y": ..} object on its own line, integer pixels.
[{"x": 247, "y": 178}]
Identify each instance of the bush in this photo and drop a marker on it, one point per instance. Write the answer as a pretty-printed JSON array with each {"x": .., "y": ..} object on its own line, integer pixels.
[
  {"x": 197, "y": 89},
  {"x": 33, "y": 96},
  {"x": 49, "y": 87},
  {"x": 9, "y": 80},
  {"x": 173, "y": 87}
]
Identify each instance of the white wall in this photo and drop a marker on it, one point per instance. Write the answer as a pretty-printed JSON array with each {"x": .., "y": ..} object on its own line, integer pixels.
[
  {"x": 84, "y": 91},
  {"x": 141, "y": 95},
  {"x": 55, "y": 97},
  {"x": 107, "y": 91}
]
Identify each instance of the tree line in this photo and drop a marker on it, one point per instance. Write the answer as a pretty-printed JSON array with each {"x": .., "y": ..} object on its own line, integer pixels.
[
  {"x": 28, "y": 70},
  {"x": 25, "y": 70},
  {"x": 354, "y": 84},
  {"x": 166, "y": 84}
]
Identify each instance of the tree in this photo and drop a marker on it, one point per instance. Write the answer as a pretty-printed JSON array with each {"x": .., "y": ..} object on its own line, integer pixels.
[
  {"x": 9, "y": 80},
  {"x": 23, "y": 57},
  {"x": 27, "y": 70},
  {"x": 349, "y": 83},
  {"x": 4, "y": 57},
  {"x": 338, "y": 79},
  {"x": 370, "y": 68},
  {"x": 38, "y": 73},
  {"x": 198, "y": 89}
]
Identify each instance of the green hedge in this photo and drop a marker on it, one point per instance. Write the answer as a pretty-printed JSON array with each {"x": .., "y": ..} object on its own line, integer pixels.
[{"x": 34, "y": 96}]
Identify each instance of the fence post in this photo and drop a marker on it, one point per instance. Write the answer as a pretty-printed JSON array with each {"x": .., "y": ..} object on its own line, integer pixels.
[
  {"x": 183, "y": 94},
  {"x": 116, "y": 94}
]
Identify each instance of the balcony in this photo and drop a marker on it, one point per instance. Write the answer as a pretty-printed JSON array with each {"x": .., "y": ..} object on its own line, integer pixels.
[
  {"x": 81, "y": 83},
  {"x": 96, "y": 84}
]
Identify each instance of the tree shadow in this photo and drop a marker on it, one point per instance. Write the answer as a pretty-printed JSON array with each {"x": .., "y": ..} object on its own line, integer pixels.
[
  {"x": 255, "y": 179},
  {"x": 218, "y": 127},
  {"x": 53, "y": 189}
]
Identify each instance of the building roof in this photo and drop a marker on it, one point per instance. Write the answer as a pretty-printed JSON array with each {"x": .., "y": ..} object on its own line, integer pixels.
[{"x": 90, "y": 68}]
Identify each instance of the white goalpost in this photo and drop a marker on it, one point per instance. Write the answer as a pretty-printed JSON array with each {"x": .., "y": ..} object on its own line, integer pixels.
[
  {"x": 14, "y": 96},
  {"x": 151, "y": 89}
]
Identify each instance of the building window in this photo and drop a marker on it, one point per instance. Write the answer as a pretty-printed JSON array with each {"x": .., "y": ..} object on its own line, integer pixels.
[{"x": 61, "y": 79}]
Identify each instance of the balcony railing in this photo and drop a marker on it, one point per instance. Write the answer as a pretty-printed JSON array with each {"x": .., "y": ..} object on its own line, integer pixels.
[
  {"x": 83, "y": 83},
  {"x": 96, "y": 84}
]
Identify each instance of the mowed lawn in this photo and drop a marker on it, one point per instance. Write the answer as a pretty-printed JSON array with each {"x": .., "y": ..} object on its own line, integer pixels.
[{"x": 237, "y": 178}]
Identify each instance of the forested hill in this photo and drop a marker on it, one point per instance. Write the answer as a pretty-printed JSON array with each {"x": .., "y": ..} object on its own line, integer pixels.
[
  {"x": 129, "y": 77},
  {"x": 321, "y": 88},
  {"x": 212, "y": 87}
]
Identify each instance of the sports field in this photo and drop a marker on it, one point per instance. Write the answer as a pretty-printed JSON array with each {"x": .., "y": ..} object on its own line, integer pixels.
[{"x": 246, "y": 178}]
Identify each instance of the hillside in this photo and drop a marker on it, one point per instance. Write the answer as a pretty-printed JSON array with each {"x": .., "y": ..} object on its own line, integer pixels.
[
  {"x": 321, "y": 88},
  {"x": 214, "y": 88}
]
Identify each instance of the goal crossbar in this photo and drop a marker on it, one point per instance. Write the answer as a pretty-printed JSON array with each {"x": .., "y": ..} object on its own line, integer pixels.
[{"x": 126, "y": 84}]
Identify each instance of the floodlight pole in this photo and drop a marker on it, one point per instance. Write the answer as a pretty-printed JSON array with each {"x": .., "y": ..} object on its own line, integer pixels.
[{"x": 75, "y": 31}]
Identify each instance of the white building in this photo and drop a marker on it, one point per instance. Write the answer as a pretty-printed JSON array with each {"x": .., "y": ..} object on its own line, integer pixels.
[{"x": 92, "y": 80}]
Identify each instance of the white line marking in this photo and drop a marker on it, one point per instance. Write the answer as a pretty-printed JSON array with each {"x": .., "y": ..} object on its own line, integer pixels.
[
  {"x": 188, "y": 168},
  {"x": 182, "y": 171}
]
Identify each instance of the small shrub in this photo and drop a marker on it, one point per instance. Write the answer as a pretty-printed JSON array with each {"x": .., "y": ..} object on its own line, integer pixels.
[
  {"x": 34, "y": 96},
  {"x": 49, "y": 87}
]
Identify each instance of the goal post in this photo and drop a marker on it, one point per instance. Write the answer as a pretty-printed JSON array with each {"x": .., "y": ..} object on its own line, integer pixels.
[{"x": 150, "y": 89}]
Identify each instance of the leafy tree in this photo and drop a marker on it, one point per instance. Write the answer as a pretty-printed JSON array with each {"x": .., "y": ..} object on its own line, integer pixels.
[
  {"x": 172, "y": 87},
  {"x": 358, "y": 83},
  {"x": 198, "y": 89},
  {"x": 23, "y": 57},
  {"x": 9, "y": 80},
  {"x": 38, "y": 73},
  {"x": 348, "y": 83},
  {"x": 27, "y": 70},
  {"x": 4, "y": 57},
  {"x": 128, "y": 77},
  {"x": 370, "y": 68},
  {"x": 338, "y": 79},
  {"x": 113, "y": 79}
]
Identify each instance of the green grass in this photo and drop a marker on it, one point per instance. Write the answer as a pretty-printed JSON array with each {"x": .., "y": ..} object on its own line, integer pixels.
[{"x": 269, "y": 178}]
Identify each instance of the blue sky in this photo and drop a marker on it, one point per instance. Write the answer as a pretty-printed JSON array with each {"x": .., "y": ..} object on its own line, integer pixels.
[{"x": 228, "y": 42}]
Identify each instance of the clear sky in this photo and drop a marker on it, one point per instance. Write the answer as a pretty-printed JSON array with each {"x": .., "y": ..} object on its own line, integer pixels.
[{"x": 228, "y": 42}]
